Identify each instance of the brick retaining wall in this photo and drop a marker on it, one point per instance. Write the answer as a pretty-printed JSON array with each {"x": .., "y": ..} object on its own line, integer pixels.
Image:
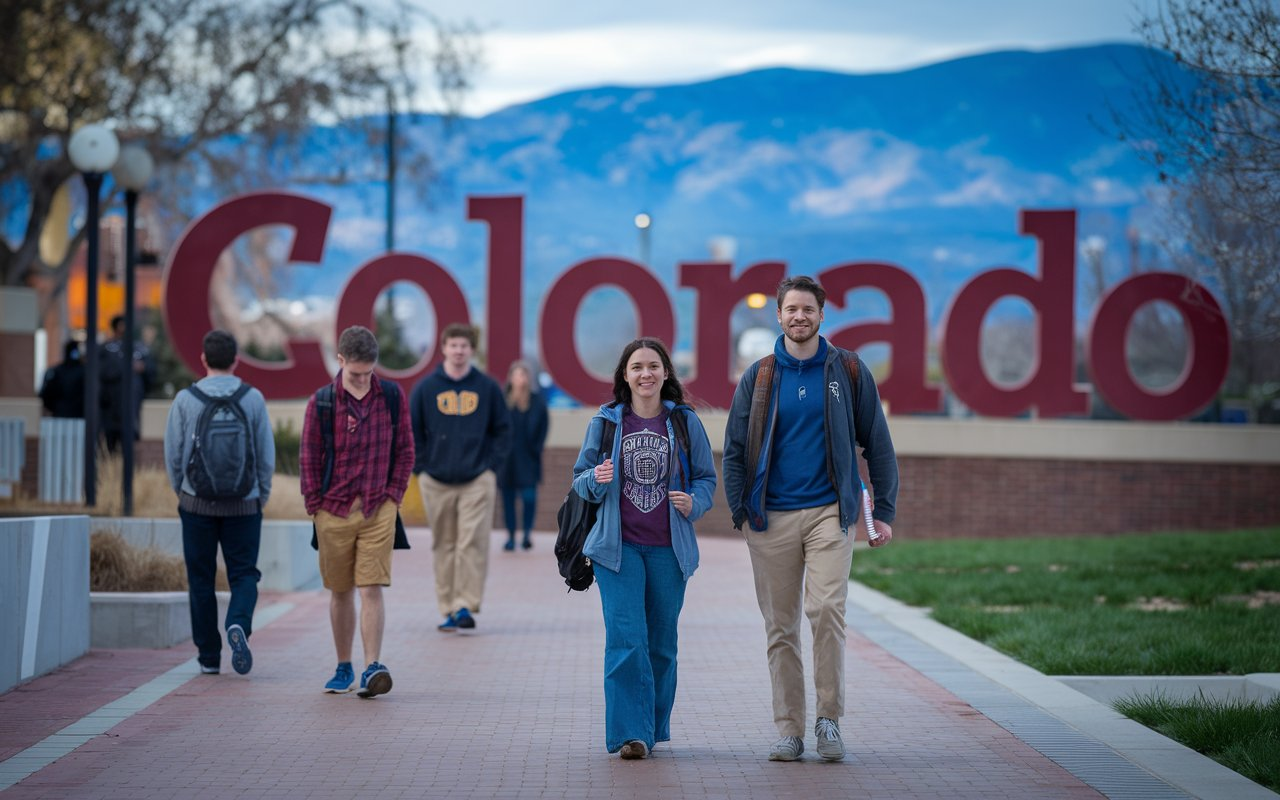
[{"x": 949, "y": 497}]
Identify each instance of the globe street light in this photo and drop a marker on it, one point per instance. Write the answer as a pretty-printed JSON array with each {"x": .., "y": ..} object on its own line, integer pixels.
[
  {"x": 93, "y": 150},
  {"x": 643, "y": 223},
  {"x": 132, "y": 171}
]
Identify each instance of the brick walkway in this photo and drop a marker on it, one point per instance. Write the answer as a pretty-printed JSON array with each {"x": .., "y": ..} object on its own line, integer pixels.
[{"x": 513, "y": 710}]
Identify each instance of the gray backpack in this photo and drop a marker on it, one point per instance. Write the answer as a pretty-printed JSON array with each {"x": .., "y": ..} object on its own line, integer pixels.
[{"x": 221, "y": 466}]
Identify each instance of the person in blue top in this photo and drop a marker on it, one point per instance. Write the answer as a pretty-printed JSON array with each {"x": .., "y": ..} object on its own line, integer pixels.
[
  {"x": 791, "y": 472},
  {"x": 643, "y": 549}
]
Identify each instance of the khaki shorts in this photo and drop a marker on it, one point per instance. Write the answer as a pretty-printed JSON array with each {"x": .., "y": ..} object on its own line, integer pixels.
[{"x": 355, "y": 550}]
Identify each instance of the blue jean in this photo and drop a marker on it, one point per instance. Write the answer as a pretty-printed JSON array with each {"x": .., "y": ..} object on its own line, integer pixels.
[
  {"x": 641, "y": 603},
  {"x": 529, "y": 498},
  {"x": 239, "y": 537}
]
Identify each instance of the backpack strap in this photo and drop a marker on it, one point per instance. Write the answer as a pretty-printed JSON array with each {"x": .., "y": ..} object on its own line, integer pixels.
[
  {"x": 324, "y": 415},
  {"x": 761, "y": 393},
  {"x": 855, "y": 372},
  {"x": 391, "y": 395},
  {"x": 606, "y": 439},
  {"x": 680, "y": 424}
]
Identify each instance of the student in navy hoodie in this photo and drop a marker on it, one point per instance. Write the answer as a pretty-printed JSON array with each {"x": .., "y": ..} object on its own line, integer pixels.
[
  {"x": 790, "y": 471},
  {"x": 461, "y": 435}
]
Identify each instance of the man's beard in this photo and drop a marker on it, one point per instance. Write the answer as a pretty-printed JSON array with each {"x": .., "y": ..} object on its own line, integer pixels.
[{"x": 800, "y": 337}]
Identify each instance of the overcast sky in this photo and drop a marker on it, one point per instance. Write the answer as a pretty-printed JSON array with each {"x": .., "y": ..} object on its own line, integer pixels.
[{"x": 533, "y": 48}]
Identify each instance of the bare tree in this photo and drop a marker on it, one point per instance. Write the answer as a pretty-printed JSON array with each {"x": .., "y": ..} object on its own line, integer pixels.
[
  {"x": 218, "y": 92},
  {"x": 1209, "y": 120}
]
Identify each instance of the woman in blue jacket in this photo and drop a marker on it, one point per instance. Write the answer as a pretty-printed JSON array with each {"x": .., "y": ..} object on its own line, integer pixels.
[{"x": 643, "y": 548}]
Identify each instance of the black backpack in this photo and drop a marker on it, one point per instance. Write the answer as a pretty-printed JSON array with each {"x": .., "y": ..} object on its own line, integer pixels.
[
  {"x": 324, "y": 417},
  {"x": 222, "y": 465},
  {"x": 577, "y": 516}
]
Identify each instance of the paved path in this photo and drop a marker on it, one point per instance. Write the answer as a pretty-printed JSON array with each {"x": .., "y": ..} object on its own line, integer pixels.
[{"x": 513, "y": 710}]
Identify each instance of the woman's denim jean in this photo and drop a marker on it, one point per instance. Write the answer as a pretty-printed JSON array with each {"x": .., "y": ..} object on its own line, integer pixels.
[
  {"x": 529, "y": 498},
  {"x": 641, "y": 603}
]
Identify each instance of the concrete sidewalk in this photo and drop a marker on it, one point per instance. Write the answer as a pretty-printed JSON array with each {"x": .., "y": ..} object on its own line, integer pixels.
[{"x": 516, "y": 709}]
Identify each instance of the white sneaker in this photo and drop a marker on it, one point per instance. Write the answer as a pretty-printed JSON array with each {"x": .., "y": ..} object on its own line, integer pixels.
[
  {"x": 830, "y": 745},
  {"x": 788, "y": 748}
]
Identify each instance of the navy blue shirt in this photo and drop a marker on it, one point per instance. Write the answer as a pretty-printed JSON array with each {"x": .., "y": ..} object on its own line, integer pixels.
[{"x": 798, "y": 470}]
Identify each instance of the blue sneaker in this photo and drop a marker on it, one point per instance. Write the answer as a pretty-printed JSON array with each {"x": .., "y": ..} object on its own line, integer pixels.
[
  {"x": 376, "y": 680},
  {"x": 464, "y": 619},
  {"x": 341, "y": 681},
  {"x": 449, "y": 625},
  {"x": 241, "y": 658}
]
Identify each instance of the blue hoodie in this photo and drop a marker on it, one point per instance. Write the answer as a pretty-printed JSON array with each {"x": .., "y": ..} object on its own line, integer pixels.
[{"x": 604, "y": 542}]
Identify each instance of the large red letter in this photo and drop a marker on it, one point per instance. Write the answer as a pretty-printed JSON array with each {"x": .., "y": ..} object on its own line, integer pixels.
[
  {"x": 358, "y": 298},
  {"x": 718, "y": 294},
  {"x": 907, "y": 332},
  {"x": 190, "y": 269},
  {"x": 560, "y": 351},
  {"x": 505, "y": 216},
  {"x": 1050, "y": 387},
  {"x": 1208, "y": 356}
]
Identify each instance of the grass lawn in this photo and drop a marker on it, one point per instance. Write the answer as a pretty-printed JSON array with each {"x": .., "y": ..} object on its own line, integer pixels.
[
  {"x": 1242, "y": 736},
  {"x": 1140, "y": 604}
]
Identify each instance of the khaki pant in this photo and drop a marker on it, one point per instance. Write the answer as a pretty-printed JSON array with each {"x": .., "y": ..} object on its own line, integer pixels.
[
  {"x": 803, "y": 556},
  {"x": 461, "y": 519}
]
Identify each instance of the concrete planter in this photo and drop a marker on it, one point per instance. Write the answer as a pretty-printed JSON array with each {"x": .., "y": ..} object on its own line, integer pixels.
[
  {"x": 285, "y": 558},
  {"x": 44, "y": 595},
  {"x": 143, "y": 619}
]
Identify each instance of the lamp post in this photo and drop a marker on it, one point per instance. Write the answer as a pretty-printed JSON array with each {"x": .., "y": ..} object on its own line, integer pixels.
[
  {"x": 132, "y": 171},
  {"x": 643, "y": 223},
  {"x": 93, "y": 150}
]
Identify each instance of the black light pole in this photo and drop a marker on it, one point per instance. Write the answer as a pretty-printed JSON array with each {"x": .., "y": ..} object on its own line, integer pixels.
[
  {"x": 132, "y": 171},
  {"x": 93, "y": 150}
]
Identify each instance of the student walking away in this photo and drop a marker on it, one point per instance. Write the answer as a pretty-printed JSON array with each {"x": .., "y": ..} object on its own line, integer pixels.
[
  {"x": 808, "y": 398},
  {"x": 659, "y": 479},
  {"x": 116, "y": 367},
  {"x": 220, "y": 456},
  {"x": 522, "y": 471},
  {"x": 62, "y": 391},
  {"x": 461, "y": 434},
  {"x": 353, "y": 492}
]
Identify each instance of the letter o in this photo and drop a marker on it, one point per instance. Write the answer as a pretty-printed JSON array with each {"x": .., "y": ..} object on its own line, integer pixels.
[
  {"x": 1208, "y": 356},
  {"x": 560, "y": 311},
  {"x": 359, "y": 295}
]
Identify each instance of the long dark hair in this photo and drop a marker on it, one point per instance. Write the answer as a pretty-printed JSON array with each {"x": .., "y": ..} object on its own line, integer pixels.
[{"x": 671, "y": 388}]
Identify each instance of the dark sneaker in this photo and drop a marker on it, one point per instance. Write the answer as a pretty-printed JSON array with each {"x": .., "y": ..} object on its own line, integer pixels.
[
  {"x": 527, "y": 544},
  {"x": 788, "y": 748},
  {"x": 376, "y": 680},
  {"x": 510, "y": 545},
  {"x": 449, "y": 625},
  {"x": 341, "y": 681},
  {"x": 205, "y": 669},
  {"x": 241, "y": 658},
  {"x": 830, "y": 745},
  {"x": 633, "y": 750},
  {"x": 465, "y": 621}
]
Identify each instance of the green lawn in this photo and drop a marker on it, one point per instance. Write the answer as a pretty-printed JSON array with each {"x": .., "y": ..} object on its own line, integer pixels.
[
  {"x": 1242, "y": 736},
  {"x": 1140, "y": 604}
]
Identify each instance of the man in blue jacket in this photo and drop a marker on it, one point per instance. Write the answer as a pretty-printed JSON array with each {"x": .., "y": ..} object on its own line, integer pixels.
[
  {"x": 461, "y": 434},
  {"x": 808, "y": 397}
]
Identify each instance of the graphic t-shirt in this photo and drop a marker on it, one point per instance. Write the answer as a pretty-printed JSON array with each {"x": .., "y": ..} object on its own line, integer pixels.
[{"x": 644, "y": 464}]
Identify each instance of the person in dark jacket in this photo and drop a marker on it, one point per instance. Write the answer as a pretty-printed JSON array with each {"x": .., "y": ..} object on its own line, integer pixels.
[
  {"x": 62, "y": 391},
  {"x": 461, "y": 435},
  {"x": 116, "y": 366},
  {"x": 790, "y": 471},
  {"x": 522, "y": 471}
]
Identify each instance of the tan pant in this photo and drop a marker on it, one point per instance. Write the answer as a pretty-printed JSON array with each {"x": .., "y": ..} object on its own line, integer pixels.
[
  {"x": 461, "y": 519},
  {"x": 355, "y": 550},
  {"x": 803, "y": 554}
]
